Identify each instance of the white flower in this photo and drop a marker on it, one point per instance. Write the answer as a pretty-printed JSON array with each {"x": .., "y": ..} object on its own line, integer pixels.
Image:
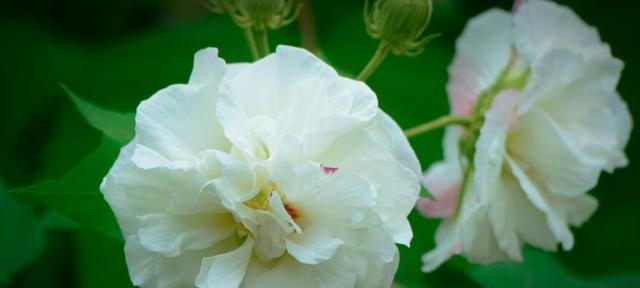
[
  {"x": 278, "y": 173},
  {"x": 555, "y": 124}
]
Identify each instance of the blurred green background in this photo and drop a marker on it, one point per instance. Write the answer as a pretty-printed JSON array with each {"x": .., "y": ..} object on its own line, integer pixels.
[{"x": 115, "y": 53}]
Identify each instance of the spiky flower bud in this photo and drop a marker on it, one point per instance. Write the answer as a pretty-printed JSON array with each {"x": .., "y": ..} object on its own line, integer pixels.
[
  {"x": 400, "y": 23},
  {"x": 257, "y": 14}
]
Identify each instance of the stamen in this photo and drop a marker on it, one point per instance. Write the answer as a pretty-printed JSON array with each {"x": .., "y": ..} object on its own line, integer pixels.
[{"x": 291, "y": 211}]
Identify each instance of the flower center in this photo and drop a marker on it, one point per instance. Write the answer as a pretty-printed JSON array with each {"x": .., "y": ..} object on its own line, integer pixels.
[
  {"x": 291, "y": 211},
  {"x": 261, "y": 200}
]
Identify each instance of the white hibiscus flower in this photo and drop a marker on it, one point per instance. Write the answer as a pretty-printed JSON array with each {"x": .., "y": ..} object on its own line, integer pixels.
[
  {"x": 540, "y": 88},
  {"x": 278, "y": 173}
]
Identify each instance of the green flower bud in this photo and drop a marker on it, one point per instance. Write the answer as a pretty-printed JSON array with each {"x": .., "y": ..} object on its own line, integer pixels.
[
  {"x": 400, "y": 23},
  {"x": 258, "y": 14}
]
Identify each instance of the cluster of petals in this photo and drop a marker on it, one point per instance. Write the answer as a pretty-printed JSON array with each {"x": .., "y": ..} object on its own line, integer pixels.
[
  {"x": 541, "y": 145},
  {"x": 278, "y": 173}
]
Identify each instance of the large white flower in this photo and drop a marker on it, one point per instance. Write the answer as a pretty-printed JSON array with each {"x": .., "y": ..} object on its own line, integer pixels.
[
  {"x": 542, "y": 85},
  {"x": 278, "y": 173}
]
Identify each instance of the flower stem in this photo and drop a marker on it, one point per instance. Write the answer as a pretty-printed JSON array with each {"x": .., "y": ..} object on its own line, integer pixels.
[
  {"x": 263, "y": 41},
  {"x": 381, "y": 53},
  {"x": 435, "y": 124},
  {"x": 307, "y": 28},
  {"x": 251, "y": 42}
]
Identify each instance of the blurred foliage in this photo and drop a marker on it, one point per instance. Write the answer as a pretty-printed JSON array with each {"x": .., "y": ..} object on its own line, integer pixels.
[{"x": 116, "y": 53}]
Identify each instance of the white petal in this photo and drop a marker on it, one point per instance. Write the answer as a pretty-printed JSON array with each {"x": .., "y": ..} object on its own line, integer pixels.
[
  {"x": 170, "y": 235},
  {"x": 503, "y": 214},
  {"x": 540, "y": 26},
  {"x": 287, "y": 272},
  {"x": 148, "y": 269},
  {"x": 397, "y": 186},
  {"x": 451, "y": 142},
  {"x": 207, "y": 67},
  {"x": 543, "y": 150},
  {"x": 140, "y": 262},
  {"x": 225, "y": 270},
  {"x": 281, "y": 214},
  {"x": 313, "y": 245},
  {"x": 480, "y": 244},
  {"x": 448, "y": 243},
  {"x": 372, "y": 253},
  {"x": 179, "y": 121},
  {"x": 490, "y": 147},
  {"x": 563, "y": 78},
  {"x": 391, "y": 136},
  {"x": 442, "y": 180},
  {"x": 300, "y": 92},
  {"x": 238, "y": 181},
  {"x": 579, "y": 94},
  {"x": 512, "y": 212},
  {"x": 624, "y": 124},
  {"x": 270, "y": 236},
  {"x": 543, "y": 202},
  {"x": 556, "y": 224},
  {"x": 387, "y": 271},
  {"x": 133, "y": 192},
  {"x": 482, "y": 52},
  {"x": 342, "y": 199}
]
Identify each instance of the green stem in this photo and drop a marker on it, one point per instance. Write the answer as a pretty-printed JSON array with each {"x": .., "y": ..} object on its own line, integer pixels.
[
  {"x": 381, "y": 53},
  {"x": 435, "y": 124},
  {"x": 251, "y": 42},
  {"x": 263, "y": 41},
  {"x": 465, "y": 183},
  {"x": 307, "y": 28}
]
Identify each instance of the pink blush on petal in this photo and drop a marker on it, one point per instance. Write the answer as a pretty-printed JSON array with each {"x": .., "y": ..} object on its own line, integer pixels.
[
  {"x": 328, "y": 170},
  {"x": 463, "y": 87},
  {"x": 443, "y": 206}
]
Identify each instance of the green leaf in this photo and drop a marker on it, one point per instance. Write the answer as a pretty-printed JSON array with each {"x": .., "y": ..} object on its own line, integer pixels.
[
  {"x": 77, "y": 194},
  {"x": 118, "y": 126},
  {"x": 541, "y": 269},
  {"x": 22, "y": 237}
]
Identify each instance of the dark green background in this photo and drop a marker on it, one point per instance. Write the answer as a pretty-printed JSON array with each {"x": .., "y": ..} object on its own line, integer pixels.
[{"x": 117, "y": 52}]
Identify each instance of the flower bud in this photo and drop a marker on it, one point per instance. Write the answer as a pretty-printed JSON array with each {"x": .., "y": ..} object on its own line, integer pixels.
[
  {"x": 400, "y": 23},
  {"x": 258, "y": 14}
]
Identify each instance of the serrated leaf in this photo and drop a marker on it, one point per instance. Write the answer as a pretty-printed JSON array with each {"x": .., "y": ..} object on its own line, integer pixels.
[
  {"x": 77, "y": 194},
  {"x": 116, "y": 125},
  {"x": 22, "y": 237}
]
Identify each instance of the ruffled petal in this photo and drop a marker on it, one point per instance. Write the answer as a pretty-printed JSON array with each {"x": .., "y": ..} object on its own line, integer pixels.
[
  {"x": 171, "y": 235},
  {"x": 207, "y": 67},
  {"x": 148, "y": 269},
  {"x": 225, "y": 270},
  {"x": 314, "y": 245},
  {"x": 397, "y": 185},
  {"x": 300, "y": 94},
  {"x": 482, "y": 52},
  {"x": 448, "y": 244},
  {"x": 545, "y": 153},
  {"x": 579, "y": 94},
  {"x": 288, "y": 272},
  {"x": 491, "y": 145},
  {"x": 559, "y": 210},
  {"x": 341, "y": 199},
  {"x": 541, "y": 26},
  {"x": 442, "y": 180},
  {"x": 179, "y": 121},
  {"x": 238, "y": 181},
  {"x": 270, "y": 236},
  {"x": 133, "y": 192}
]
